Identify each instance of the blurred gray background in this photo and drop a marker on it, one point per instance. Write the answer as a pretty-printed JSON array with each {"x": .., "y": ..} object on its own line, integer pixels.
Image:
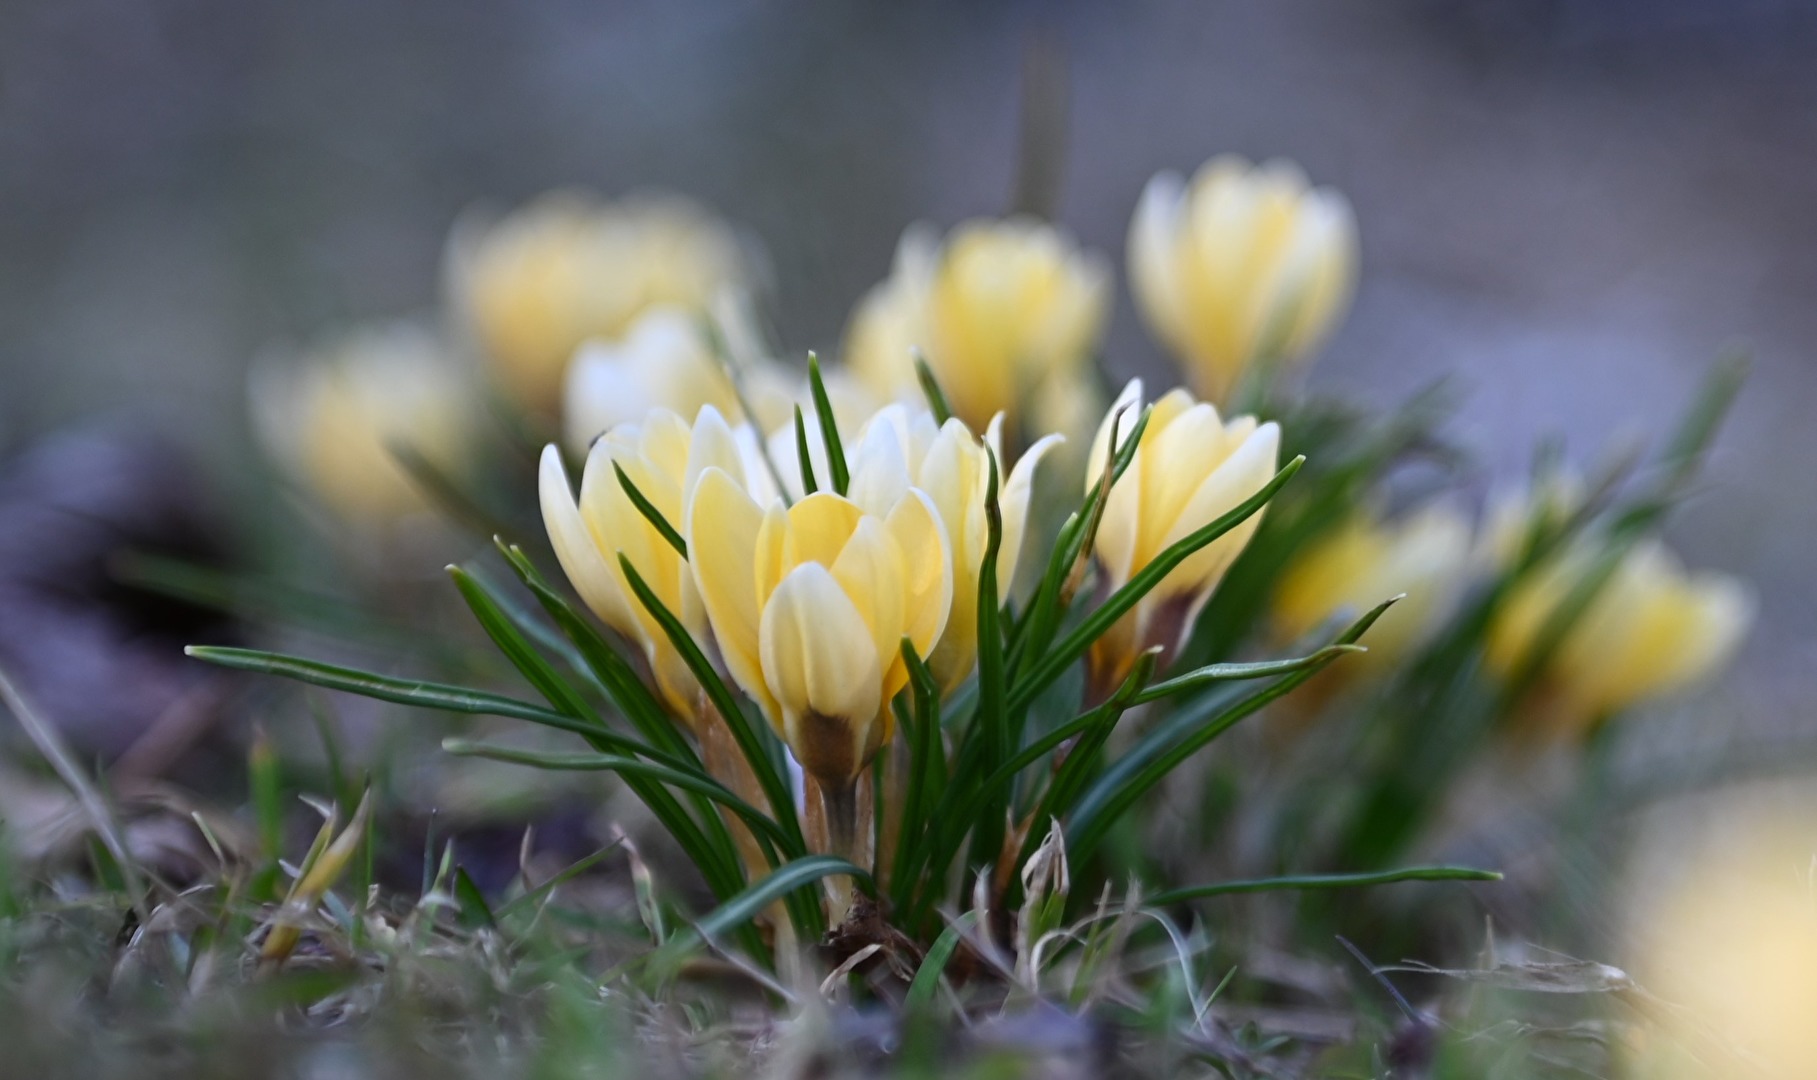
[{"x": 1573, "y": 206}]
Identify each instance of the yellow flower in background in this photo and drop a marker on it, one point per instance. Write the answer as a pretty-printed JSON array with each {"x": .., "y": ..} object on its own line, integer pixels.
[
  {"x": 1191, "y": 468},
  {"x": 664, "y": 458},
  {"x": 332, "y": 417},
  {"x": 1005, "y": 311},
  {"x": 809, "y": 604},
  {"x": 1367, "y": 560},
  {"x": 1652, "y": 628},
  {"x": 663, "y": 361},
  {"x": 1727, "y": 948},
  {"x": 900, "y": 448},
  {"x": 1245, "y": 265},
  {"x": 536, "y": 284}
]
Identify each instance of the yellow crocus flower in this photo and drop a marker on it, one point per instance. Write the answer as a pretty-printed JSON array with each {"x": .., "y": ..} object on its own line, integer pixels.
[
  {"x": 664, "y": 457},
  {"x": 1652, "y": 628},
  {"x": 902, "y": 447},
  {"x": 1005, "y": 311},
  {"x": 1244, "y": 265},
  {"x": 332, "y": 417},
  {"x": 809, "y": 604},
  {"x": 1190, "y": 468},
  {"x": 1365, "y": 561},
  {"x": 568, "y": 267}
]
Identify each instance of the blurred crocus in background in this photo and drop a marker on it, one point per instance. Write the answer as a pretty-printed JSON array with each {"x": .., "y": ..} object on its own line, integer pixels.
[
  {"x": 1007, "y": 314},
  {"x": 1244, "y": 266},
  {"x": 535, "y": 285},
  {"x": 1424, "y": 555},
  {"x": 338, "y": 417},
  {"x": 1650, "y": 628}
]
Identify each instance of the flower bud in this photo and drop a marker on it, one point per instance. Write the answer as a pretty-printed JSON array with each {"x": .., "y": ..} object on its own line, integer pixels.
[
  {"x": 1003, "y": 310},
  {"x": 1190, "y": 469},
  {"x": 1245, "y": 265},
  {"x": 662, "y": 362}
]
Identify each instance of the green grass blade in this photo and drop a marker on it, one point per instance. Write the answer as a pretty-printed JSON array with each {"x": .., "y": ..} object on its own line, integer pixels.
[
  {"x": 933, "y": 965},
  {"x": 1055, "y": 660},
  {"x": 829, "y": 428},
  {"x": 1304, "y": 882},
  {"x": 747, "y": 905},
  {"x": 927, "y": 766}
]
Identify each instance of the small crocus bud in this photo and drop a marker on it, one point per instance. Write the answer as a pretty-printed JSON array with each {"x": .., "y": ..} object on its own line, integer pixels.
[
  {"x": 535, "y": 285},
  {"x": 810, "y": 603},
  {"x": 903, "y": 447},
  {"x": 1003, "y": 310},
  {"x": 1190, "y": 468},
  {"x": 1245, "y": 265},
  {"x": 1424, "y": 557},
  {"x": 1650, "y": 629},
  {"x": 335, "y": 418},
  {"x": 663, "y": 457}
]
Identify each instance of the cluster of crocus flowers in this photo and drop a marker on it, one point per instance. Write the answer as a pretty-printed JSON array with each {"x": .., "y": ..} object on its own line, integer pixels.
[
  {"x": 1424, "y": 558},
  {"x": 1007, "y": 314},
  {"x": 337, "y": 417},
  {"x": 808, "y": 595},
  {"x": 1190, "y": 468},
  {"x": 1649, "y": 629},
  {"x": 1244, "y": 267},
  {"x": 534, "y": 286}
]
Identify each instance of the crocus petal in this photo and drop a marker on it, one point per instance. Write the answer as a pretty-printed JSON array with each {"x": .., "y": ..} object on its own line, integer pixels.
[{"x": 822, "y": 670}]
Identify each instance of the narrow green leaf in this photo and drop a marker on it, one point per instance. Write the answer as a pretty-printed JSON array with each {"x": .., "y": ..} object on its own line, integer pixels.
[
  {"x": 685, "y": 779},
  {"x": 991, "y": 721},
  {"x": 650, "y": 512},
  {"x": 1057, "y": 659},
  {"x": 829, "y": 428},
  {"x": 933, "y": 965},
  {"x": 803, "y": 455},
  {"x": 1163, "y": 749},
  {"x": 775, "y": 787},
  {"x": 1217, "y": 673},
  {"x": 1323, "y": 881},
  {"x": 927, "y": 764},
  {"x": 930, "y": 388}
]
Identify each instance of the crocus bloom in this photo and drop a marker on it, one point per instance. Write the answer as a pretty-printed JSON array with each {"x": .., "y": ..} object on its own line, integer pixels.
[
  {"x": 1191, "y": 468},
  {"x": 334, "y": 417},
  {"x": 663, "y": 361},
  {"x": 1650, "y": 629},
  {"x": 664, "y": 457},
  {"x": 1367, "y": 560},
  {"x": 536, "y": 284},
  {"x": 810, "y": 603},
  {"x": 903, "y": 447},
  {"x": 1006, "y": 312},
  {"x": 1244, "y": 265}
]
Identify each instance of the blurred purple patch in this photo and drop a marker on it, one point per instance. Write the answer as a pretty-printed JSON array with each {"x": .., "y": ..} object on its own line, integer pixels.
[{"x": 101, "y": 659}]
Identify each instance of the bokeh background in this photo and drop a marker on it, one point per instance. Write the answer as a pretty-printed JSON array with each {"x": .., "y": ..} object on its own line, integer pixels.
[{"x": 1569, "y": 207}]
